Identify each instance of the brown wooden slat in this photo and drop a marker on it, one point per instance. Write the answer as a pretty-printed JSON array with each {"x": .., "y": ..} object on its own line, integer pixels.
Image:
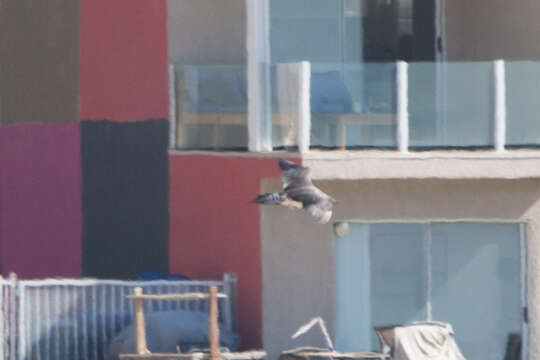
[{"x": 189, "y": 296}]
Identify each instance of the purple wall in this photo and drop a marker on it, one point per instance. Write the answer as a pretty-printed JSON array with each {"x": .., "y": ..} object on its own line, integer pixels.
[{"x": 40, "y": 199}]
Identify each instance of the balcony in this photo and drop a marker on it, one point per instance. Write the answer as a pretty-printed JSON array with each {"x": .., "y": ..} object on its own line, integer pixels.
[{"x": 397, "y": 107}]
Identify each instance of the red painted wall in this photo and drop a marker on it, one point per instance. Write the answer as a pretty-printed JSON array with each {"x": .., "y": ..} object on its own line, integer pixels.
[
  {"x": 40, "y": 200},
  {"x": 123, "y": 59},
  {"x": 214, "y": 229}
]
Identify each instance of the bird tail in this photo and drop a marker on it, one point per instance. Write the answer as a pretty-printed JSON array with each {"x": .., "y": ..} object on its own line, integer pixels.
[{"x": 269, "y": 198}]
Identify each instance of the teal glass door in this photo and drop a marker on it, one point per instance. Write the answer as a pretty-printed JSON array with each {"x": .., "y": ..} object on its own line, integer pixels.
[{"x": 466, "y": 274}]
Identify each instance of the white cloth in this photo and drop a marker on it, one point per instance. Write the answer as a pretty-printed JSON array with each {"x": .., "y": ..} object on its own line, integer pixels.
[{"x": 425, "y": 342}]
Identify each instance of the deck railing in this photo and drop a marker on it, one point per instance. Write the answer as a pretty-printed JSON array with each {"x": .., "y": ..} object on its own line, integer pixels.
[
  {"x": 399, "y": 106},
  {"x": 77, "y": 318}
]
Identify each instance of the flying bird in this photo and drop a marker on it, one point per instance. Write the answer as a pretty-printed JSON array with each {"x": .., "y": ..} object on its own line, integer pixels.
[{"x": 299, "y": 193}]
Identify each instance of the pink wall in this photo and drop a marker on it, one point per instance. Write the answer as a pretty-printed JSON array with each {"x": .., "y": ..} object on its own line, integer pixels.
[
  {"x": 40, "y": 200},
  {"x": 123, "y": 59},
  {"x": 214, "y": 229}
]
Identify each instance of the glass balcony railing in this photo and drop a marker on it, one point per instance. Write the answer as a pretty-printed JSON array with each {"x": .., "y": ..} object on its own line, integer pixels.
[
  {"x": 353, "y": 106},
  {"x": 360, "y": 106},
  {"x": 522, "y": 103},
  {"x": 210, "y": 106},
  {"x": 450, "y": 105}
]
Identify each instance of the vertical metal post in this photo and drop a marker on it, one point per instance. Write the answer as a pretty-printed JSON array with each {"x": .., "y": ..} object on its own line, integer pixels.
[
  {"x": 3, "y": 307},
  {"x": 500, "y": 105},
  {"x": 231, "y": 280},
  {"x": 21, "y": 310},
  {"x": 227, "y": 315},
  {"x": 525, "y": 333},
  {"x": 85, "y": 335},
  {"x": 429, "y": 270},
  {"x": 94, "y": 320},
  {"x": 402, "y": 113},
  {"x": 12, "y": 317},
  {"x": 213, "y": 329}
]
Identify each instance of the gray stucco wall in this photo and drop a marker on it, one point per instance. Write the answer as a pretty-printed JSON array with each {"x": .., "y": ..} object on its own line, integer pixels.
[
  {"x": 39, "y": 61},
  {"x": 297, "y": 259},
  {"x": 207, "y": 32},
  {"x": 492, "y": 29}
]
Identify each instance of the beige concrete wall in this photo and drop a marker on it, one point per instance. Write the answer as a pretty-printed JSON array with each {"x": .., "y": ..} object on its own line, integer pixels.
[
  {"x": 207, "y": 31},
  {"x": 363, "y": 165},
  {"x": 492, "y": 29},
  {"x": 39, "y": 61},
  {"x": 297, "y": 254}
]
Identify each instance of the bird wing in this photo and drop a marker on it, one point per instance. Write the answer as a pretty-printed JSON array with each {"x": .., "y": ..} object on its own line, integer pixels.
[
  {"x": 298, "y": 187},
  {"x": 294, "y": 175},
  {"x": 318, "y": 204},
  {"x": 307, "y": 195}
]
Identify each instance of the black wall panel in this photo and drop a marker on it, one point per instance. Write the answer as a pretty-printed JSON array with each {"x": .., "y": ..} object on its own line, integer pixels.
[{"x": 125, "y": 197}]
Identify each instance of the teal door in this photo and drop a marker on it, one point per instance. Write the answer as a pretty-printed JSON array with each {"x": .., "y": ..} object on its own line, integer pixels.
[{"x": 467, "y": 274}]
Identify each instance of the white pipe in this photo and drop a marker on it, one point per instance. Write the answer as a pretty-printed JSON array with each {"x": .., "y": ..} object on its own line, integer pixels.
[
  {"x": 258, "y": 60},
  {"x": 500, "y": 105},
  {"x": 12, "y": 314},
  {"x": 304, "y": 108},
  {"x": 21, "y": 321},
  {"x": 2, "y": 308},
  {"x": 402, "y": 111}
]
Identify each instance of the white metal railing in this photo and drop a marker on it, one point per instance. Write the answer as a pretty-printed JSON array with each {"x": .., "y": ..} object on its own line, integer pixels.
[
  {"x": 7, "y": 318},
  {"x": 77, "y": 318}
]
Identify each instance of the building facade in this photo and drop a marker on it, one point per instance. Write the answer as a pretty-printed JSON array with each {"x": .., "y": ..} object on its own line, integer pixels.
[{"x": 133, "y": 135}]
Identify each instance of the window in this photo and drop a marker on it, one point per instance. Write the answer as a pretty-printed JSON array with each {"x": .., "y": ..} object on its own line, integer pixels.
[
  {"x": 323, "y": 74},
  {"x": 467, "y": 274}
]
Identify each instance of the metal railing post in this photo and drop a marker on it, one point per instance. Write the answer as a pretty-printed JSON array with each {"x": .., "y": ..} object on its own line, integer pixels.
[
  {"x": 12, "y": 316},
  {"x": 499, "y": 102},
  {"x": 402, "y": 110}
]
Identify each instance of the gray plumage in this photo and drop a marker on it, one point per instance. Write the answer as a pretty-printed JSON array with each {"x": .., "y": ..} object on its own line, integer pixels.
[{"x": 299, "y": 193}]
